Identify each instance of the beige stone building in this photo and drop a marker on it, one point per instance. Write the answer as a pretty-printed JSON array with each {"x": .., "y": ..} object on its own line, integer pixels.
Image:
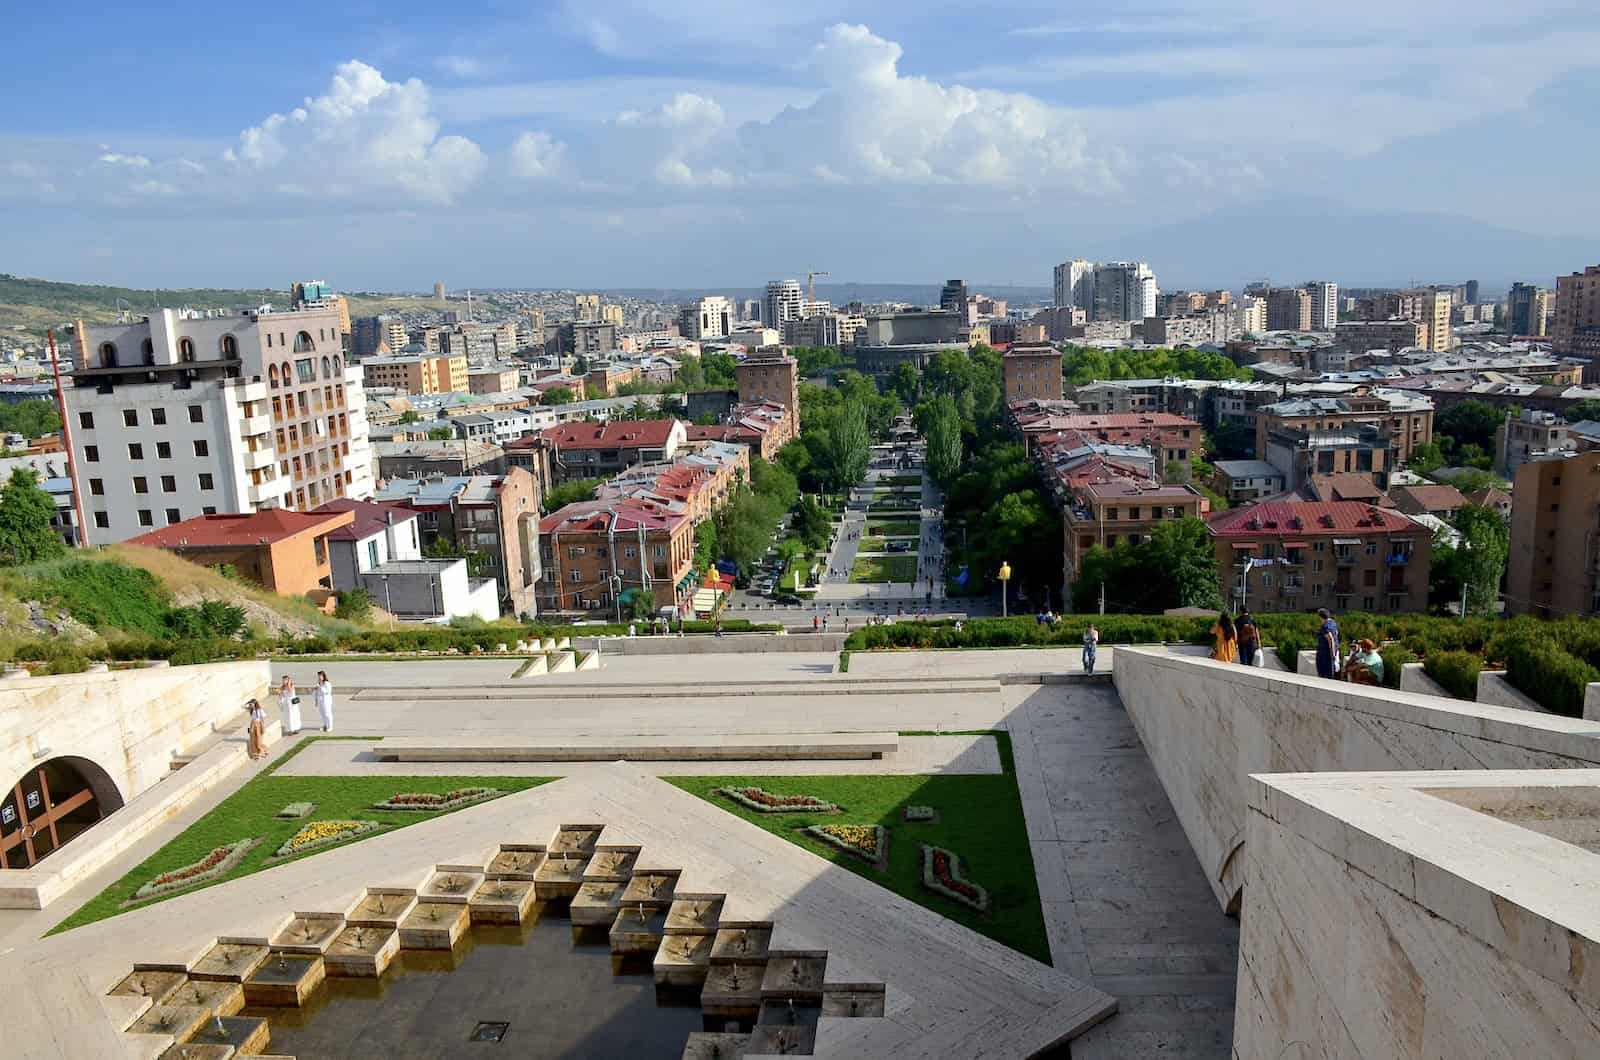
[
  {"x": 1577, "y": 326},
  {"x": 418, "y": 373},
  {"x": 770, "y": 376},
  {"x": 1031, "y": 371},
  {"x": 1398, "y": 333},
  {"x": 1555, "y": 550}
]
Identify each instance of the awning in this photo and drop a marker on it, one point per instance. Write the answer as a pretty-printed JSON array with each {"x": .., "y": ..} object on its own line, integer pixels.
[
  {"x": 1347, "y": 541},
  {"x": 1294, "y": 544},
  {"x": 1244, "y": 546},
  {"x": 683, "y": 582}
]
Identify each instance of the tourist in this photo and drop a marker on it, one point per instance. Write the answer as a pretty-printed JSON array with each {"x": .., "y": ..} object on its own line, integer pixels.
[
  {"x": 1327, "y": 646},
  {"x": 1225, "y": 646},
  {"x": 325, "y": 700},
  {"x": 717, "y": 625},
  {"x": 289, "y": 703},
  {"x": 815, "y": 622},
  {"x": 1249, "y": 637},
  {"x": 256, "y": 734},
  {"x": 1091, "y": 641},
  {"x": 824, "y": 623},
  {"x": 1365, "y": 665}
]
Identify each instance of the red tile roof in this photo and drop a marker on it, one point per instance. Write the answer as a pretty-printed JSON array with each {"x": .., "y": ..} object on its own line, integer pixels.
[
  {"x": 233, "y": 531},
  {"x": 1275, "y": 518},
  {"x": 723, "y": 432},
  {"x": 594, "y": 516},
  {"x": 1430, "y": 498},
  {"x": 370, "y": 517},
  {"x": 614, "y": 434}
]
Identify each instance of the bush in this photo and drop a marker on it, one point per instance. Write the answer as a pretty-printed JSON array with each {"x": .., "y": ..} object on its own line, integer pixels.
[
  {"x": 1395, "y": 656},
  {"x": 67, "y": 664},
  {"x": 1456, "y": 671},
  {"x": 103, "y": 594},
  {"x": 210, "y": 619},
  {"x": 1555, "y": 680},
  {"x": 355, "y": 605}
]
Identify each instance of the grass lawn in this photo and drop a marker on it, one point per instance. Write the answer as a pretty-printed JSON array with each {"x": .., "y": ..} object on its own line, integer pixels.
[
  {"x": 905, "y": 527},
  {"x": 900, "y": 480},
  {"x": 885, "y": 569},
  {"x": 980, "y": 818},
  {"x": 248, "y": 813}
]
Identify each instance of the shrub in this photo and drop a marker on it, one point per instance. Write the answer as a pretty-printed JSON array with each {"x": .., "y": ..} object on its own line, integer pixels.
[
  {"x": 1456, "y": 671},
  {"x": 103, "y": 594},
  {"x": 67, "y": 664},
  {"x": 1555, "y": 680},
  {"x": 1395, "y": 656},
  {"x": 355, "y": 605},
  {"x": 210, "y": 619}
]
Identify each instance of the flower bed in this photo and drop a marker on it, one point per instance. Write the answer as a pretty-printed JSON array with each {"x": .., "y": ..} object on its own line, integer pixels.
[
  {"x": 941, "y": 874},
  {"x": 324, "y": 833},
  {"x": 920, "y": 814},
  {"x": 869, "y": 842},
  {"x": 429, "y": 802},
  {"x": 220, "y": 861},
  {"x": 762, "y": 801}
]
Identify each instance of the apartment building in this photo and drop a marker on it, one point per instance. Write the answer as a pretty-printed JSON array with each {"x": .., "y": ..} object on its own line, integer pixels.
[
  {"x": 591, "y": 450},
  {"x": 1394, "y": 334},
  {"x": 1554, "y": 566},
  {"x": 1124, "y": 290},
  {"x": 1533, "y": 433},
  {"x": 1527, "y": 310},
  {"x": 606, "y": 376},
  {"x": 782, "y": 301},
  {"x": 373, "y": 335},
  {"x": 1324, "y": 304},
  {"x": 1031, "y": 371},
  {"x": 1247, "y": 480},
  {"x": 709, "y": 318},
  {"x": 282, "y": 551},
  {"x": 183, "y": 414},
  {"x": 1104, "y": 505},
  {"x": 1406, "y": 416},
  {"x": 699, "y": 482},
  {"x": 597, "y": 552},
  {"x": 1303, "y": 455},
  {"x": 1288, "y": 309},
  {"x": 380, "y": 550},
  {"x": 493, "y": 379},
  {"x": 492, "y": 519},
  {"x": 1342, "y": 555},
  {"x": 1577, "y": 312},
  {"x": 770, "y": 375},
  {"x": 418, "y": 373},
  {"x": 497, "y": 427}
]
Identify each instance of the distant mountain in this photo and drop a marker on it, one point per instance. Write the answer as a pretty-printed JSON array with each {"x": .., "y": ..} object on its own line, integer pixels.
[{"x": 1299, "y": 239}]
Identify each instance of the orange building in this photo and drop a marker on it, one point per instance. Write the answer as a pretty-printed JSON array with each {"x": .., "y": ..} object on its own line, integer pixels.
[
  {"x": 282, "y": 550},
  {"x": 592, "y": 551}
]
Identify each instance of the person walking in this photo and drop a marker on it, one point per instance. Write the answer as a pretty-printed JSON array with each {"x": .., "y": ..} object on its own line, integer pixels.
[
  {"x": 1225, "y": 642},
  {"x": 1091, "y": 641},
  {"x": 815, "y": 623},
  {"x": 256, "y": 734},
  {"x": 325, "y": 700},
  {"x": 1249, "y": 637},
  {"x": 1327, "y": 646},
  {"x": 289, "y": 703}
]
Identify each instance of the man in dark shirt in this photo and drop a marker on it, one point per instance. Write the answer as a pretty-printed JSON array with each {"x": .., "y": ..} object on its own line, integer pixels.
[{"x": 1327, "y": 645}]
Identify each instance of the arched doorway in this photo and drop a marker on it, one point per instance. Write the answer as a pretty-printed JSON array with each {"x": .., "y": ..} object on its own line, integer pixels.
[{"x": 52, "y": 804}]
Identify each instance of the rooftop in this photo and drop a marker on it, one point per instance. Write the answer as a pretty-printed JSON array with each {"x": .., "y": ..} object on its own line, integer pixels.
[
  {"x": 369, "y": 517},
  {"x": 613, "y": 434},
  {"x": 238, "y": 531},
  {"x": 1307, "y": 517}
]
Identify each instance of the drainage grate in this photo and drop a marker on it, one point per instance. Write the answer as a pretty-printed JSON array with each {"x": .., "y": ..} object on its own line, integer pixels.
[{"x": 489, "y": 1031}]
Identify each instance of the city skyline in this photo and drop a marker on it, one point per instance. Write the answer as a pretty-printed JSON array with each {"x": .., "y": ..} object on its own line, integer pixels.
[{"x": 609, "y": 149}]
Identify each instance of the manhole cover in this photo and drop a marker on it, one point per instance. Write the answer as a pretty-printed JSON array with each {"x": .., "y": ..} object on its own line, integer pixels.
[{"x": 489, "y": 1031}]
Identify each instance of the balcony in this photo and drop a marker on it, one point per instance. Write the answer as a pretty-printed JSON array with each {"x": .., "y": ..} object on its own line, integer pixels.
[
  {"x": 270, "y": 490},
  {"x": 251, "y": 426},
  {"x": 258, "y": 458},
  {"x": 1346, "y": 559},
  {"x": 1397, "y": 559}
]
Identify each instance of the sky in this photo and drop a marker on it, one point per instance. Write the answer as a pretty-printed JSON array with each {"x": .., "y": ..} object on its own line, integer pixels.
[{"x": 656, "y": 143}]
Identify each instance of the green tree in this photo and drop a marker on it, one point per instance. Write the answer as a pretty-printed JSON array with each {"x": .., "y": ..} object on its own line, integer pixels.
[
  {"x": 25, "y": 513},
  {"x": 811, "y": 523},
  {"x": 849, "y": 446},
  {"x": 1427, "y": 458},
  {"x": 31, "y": 419},
  {"x": 705, "y": 546},
  {"x": 568, "y": 493},
  {"x": 905, "y": 382},
  {"x": 1588, "y": 409},
  {"x": 1467, "y": 423},
  {"x": 943, "y": 434},
  {"x": 1180, "y": 550},
  {"x": 1481, "y": 560},
  {"x": 410, "y": 416},
  {"x": 556, "y": 395},
  {"x": 814, "y": 360},
  {"x": 355, "y": 605},
  {"x": 440, "y": 434}
]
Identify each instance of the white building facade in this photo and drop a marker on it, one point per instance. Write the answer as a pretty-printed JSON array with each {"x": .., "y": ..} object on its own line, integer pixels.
[
  {"x": 709, "y": 318},
  {"x": 1324, "y": 305},
  {"x": 1074, "y": 284},
  {"x": 784, "y": 301},
  {"x": 1124, "y": 290},
  {"x": 183, "y": 414}
]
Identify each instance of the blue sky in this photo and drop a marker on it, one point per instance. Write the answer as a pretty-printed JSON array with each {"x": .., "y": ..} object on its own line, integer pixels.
[{"x": 717, "y": 143}]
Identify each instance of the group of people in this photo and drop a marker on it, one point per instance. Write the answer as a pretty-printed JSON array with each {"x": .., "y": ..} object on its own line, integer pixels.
[
  {"x": 289, "y": 703},
  {"x": 1239, "y": 640}
]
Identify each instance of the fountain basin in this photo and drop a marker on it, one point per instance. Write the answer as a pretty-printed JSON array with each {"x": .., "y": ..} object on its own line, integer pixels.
[
  {"x": 176, "y": 1020},
  {"x": 611, "y": 865},
  {"x": 434, "y": 926},
  {"x": 309, "y": 934},
  {"x": 794, "y": 977},
  {"x": 560, "y": 877},
  {"x": 362, "y": 952},
  {"x": 683, "y": 960},
  {"x": 451, "y": 886},
  {"x": 576, "y": 839},
  {"x": 219, "y": 999},
  {"x": 854, "y": 1001},
  {"x": 637, "y": 930},
  {"x": 284, "y": 979},
  {"x": 695, "y": 916},
  {"x": 782, "y": 1040},
  {"x": 381, "y": 908},
  {"x": 516, "y": 862},
  {"x": 158, "y": 986},
  {"x": 502, "y": 902},
  {"x": 651, "y": 888},
  {"x": 742, "y": 942},
  {"x": 704, "y": 1045},
  {"x": 245, "y": 1034},
  {"x": 229, "y": 962},
  {"x": 596, "y": 904},
  {"x": 198, "y": 1051},
  {"x": 733, "y": 990}
]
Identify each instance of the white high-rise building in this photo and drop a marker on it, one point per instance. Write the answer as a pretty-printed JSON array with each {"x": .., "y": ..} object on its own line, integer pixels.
[
  {"x": 184, "y": 414},
  {"x": 709, "y": 318},
  {"x": 784, "y": 301},
  {"x": 1324, "y": 305},
  {"x": 1124, "y": 290},
  {"x": 1075, "y": 284}
]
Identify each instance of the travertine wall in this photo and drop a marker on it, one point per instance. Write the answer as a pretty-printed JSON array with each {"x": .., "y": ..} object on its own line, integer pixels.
[
  {"x": 1207, "y": 726},
  {"x": 128, "y": 722}
]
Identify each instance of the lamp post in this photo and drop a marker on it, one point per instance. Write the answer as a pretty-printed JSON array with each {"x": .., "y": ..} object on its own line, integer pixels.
[
  {"x": 1005, "y": 580},
  {"x": 386, "y": 600}
]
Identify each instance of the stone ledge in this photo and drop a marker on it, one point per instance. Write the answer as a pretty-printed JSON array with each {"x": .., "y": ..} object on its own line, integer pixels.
[{"x": 738, "y": 747}]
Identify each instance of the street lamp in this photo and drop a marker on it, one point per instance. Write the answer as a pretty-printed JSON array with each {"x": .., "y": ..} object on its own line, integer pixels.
[
  {"x": 386, "y": 600},
  {"x": 1005, "y": 579}
]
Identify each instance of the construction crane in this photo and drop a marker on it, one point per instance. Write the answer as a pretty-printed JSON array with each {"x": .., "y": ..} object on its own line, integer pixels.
[{"x": 811, "y": 289}]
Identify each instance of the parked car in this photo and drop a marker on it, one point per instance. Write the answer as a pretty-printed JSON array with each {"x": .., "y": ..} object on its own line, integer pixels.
[{"x": 786, "y": 598}]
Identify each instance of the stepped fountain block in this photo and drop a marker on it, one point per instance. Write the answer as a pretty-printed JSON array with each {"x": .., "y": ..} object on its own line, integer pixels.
[
  {"x": 229, "y": 962},
  {"x": 309, "y": 934},
  {"x": 245, "y": 1035},
  {"x": 563, "y": 644},
  {"x": 547, "y": 644},
  {"x": 704, "y": 1045},
  {"x": 502, "y": 902},
  {"x": 220, "y": 999},
  {"x": 176, "y": 1020},
  {"x": 199, "y": 1051},
  {"x": 637, "y": 929},
  {"x": 534, "y": 666},
  {"x": 794, "y": 977},
  {"x": 653, "y": 889},
  {"x": 733, "y": 990},
  {"x": 575, "y": 839},
  {"x": 434, "y": 926},
  {"x": 451, "y": 886},
  {"x": 853, "y": 1001},
  {"x": 515, "y": 862},
  {"x": 697, "y": 915},
  {"x": 561, "y": 874},
  {"x": 611, "y": 865},
  {"x": 782, "y": 1039},
  {"x": 284, "y": 980},
  {"x": 362, "y": 952},
  {"x": 589, "y": 661},
  {"x": 683, "y": 961},
  {"x": 158, "y": 986},
  {"x": 596, "y": 904},
  {"x": 742, "y": 942},
  {"x": 381, "y": 908},
  {"x": 563, "y": 662}
]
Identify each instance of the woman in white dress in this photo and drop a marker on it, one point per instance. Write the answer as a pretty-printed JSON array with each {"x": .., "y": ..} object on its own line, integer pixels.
[
  {"x": 289, "y": 703},
  {"x": 325, "y": 700}
]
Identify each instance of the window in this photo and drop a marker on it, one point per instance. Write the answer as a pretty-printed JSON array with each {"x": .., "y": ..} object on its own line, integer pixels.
[
  {"x": 230, "y": 347},
  {"x": 135, "y": 451},
  {"x": 630, "y": 552},
  {"x": 197, "y": 414},
  {"x": 209, "y": 509},
  {"x": 1316, "y": 566},
  {"x": 157, "y": 417},
  {"x": 141, "y": 484},
  {"x": 575, "y": 575},
  {"x": 173, "y": 516},
  {"x": 205, "y": 480},
  {"x": 149, "y": 350},
  {"x": 303, "y": 343},
  {"x": 1368, "y": 603},
  {"x": 269, "y": 340},
  {"x": 169, "y": 484},
  {"x": 108, "y": 355},
  {"x": 86, "y": 420},
  {"x": 186, "y": 350},
  {"x": 319, "y": 546},
  {"x": 97, "y": 487},
  {"x": 272, "y": 373},
  {"x": 102, "y": 520},
  {"x": 130, "y": 417},
  {"x": 372, "y": 554},
  {"x": 305, "y": 371},
  {"x": 163, "y": 450},
  {"x": 1372, "y": 548},
  {"x": 327, "y": 368},
  {"x": 1111, "y": 513},
  {"x": 91, "y": 453},
  {"x": 201, "y": 448},
  {"x": 146, "y": 518},
  {"x": 284, "y": 370},
  {"x": 660, "y": 552}
]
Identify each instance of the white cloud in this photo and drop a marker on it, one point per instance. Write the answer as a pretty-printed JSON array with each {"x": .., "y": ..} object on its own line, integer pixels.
[
  {"x": 112, "y": 158},
  {"x": 537, "y": 155},
  {"x": 364, "y": 137}
]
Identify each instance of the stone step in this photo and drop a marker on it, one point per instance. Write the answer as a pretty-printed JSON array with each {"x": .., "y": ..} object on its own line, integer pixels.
[{"x": 708, "y": 748}]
